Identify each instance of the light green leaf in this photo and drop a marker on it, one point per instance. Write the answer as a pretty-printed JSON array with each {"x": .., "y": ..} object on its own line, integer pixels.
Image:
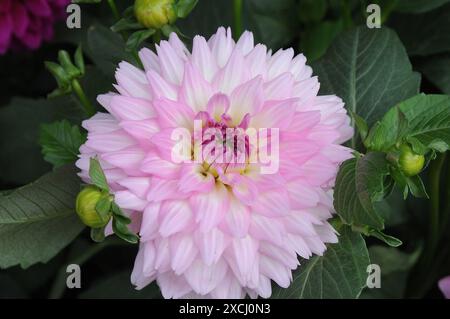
[
  {"x": 358, "y": 67},
  {"x": 138, "y": 37},
  {"x": 184, "y": 7},
  {"x": 60, "y": 142},
  {"x": 39, "y": 220},
  {"x": 339, "y": 273},
  {"x": 97, "y": 175},
  {"x": 360, "y": 183},
  {"x": 428, "y": 120}
]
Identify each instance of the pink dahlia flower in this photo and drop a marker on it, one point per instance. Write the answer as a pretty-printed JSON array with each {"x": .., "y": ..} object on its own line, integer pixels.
[
  {"x": 26, "y": 23},
  {"x": 211, "y": 227}
]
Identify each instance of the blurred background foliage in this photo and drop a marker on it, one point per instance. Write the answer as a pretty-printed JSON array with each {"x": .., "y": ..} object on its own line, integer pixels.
[{"x": 309, "y": 26}]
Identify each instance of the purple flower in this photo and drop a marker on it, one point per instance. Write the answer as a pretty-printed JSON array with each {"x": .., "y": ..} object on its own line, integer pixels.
[
  {"x": 27, "y": 23},
  {"x": 444, "y": 285}
]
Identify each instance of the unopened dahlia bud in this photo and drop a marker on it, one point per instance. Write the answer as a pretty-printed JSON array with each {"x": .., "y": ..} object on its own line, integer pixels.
[
  {"x": 155, "y": 13},
  {"x": 86, "y": 204},
  {"x": 410, "y": 163}
]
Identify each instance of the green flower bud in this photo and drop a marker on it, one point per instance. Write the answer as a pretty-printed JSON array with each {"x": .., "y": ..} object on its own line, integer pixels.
[
  {"x": 155, "y": 13},
  {"x": 409, "y": 162},
  {"x": 87, "y": 209}
]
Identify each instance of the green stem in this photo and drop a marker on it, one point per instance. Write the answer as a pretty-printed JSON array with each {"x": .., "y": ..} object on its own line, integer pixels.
[
  {"x": 237, "y": 17},
  {"x": 59, "y": 284},
  {"x": 112, "y": 5},
  {"x": 434, "y": 231},
  {"x": 87, "y": 105}
]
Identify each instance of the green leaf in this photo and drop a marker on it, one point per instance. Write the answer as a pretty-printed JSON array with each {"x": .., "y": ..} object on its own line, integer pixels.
[
  {"x": 21, "y": 162},
  {"x": 79, "y": 60},
  {"x": 418, "y": 6},
  {"x": 126, "y": 24},
  {"x": 98, "y": 234},
  {"x": 389, "y": 240},
  {"x": 361, "y": 125},
  {"x": 103, "y": 207},
  {"x": 60, "y": 142},
  {"x": 107, "y": 49},
  {"x": 360, "y": 183},
  {"x": 339, "y": 273},
  {"x": 425, "y": 34},
  {"x": 184, "y": 7},
  {"x": 359, "y": 67},
  {"x": 428, "y": 119},
  {"x": 437, "y": 70},
  {"x": 121, "y": 230},
  {"x": 97, "y": 175},
  {"x": 316, "y": 39},
  {"x": 39, "y": 220},
  {"x": 311, "y": 11},
  {"x": 416, "y": 186},
  {"x": 119, "y": 214},
  {"x": 138, "y": 37},
  {"x": 388, "y": 132}
]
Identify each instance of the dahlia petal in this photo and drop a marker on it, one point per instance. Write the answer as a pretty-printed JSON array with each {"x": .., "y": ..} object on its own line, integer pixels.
[
  {"x": 256, "y": 61},
  {"x": 279, "y": 63},
  {"x": 149, "y": 225},
  {"x": 193, "y": 179},
  {"x": 444, "y": 286},
  {"x": 172, "y": 66},
  {"x": 160, "y": 88},
  {"x": 195, "y": 91},
  {"x": 148, "y": 267},
  {"x": 21, "y": 21},
  {"x": 221, "y": 44},
  {"x": 274, "y": 114},
  {"x": 150, "y": 60},
  {"x": 301, "y": 195},
  {"x": 202, "y": 278},
  {"x": 218, "y": 104},
  {"x": 127, "y": 159},
  {"x": 109, "y": 142},
  {"x": 162, "y": 190},
  {"x": 138, "y": 279},
  {"x": 237, "y": 219},
  {"x": 128, "y": 200},
  {"x": 141, "y": 130},
  {"x": 211, "y": 245},
  {"x": 245, "y": 43},
  {"x": 244, "y": 260},
  {"x": 279, "y": 87},
  {"x": 155, "y": 165},
  {"x": 246, "y": 98},
  {"x": 183, "y": 253},
  {"x": 275, "y": 270},
  {"x": 162, "y": 261},
  {"x": 264, "y": 288},
  {"x": 203, "y": 59},
  {"x": 304, "y": 121},
  {"x": 234, "y": 73},
  {"x": 284, "y": 255},
  {"x": 137, "y": 185},
  {"x": 209, "y": 208},
  {"x": 176, "y": 215},
  {"x": 273, "y": 203},
  {"x": 132, "y": 109},
  {"x": 173, "y": 114},
  {"x": 133, "y": 81},
  {"x": 228, "y": 288},
  {"x": 100, "y": 123},
  {"x": 173, "y": 286}
]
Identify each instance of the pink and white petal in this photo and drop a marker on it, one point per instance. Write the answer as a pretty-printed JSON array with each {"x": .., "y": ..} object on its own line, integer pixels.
[
  {"x": 203, "y": 278},
  {"x": 101, "y": 123},
  {"x": 245, "y": 42},
  {"x": 194, "y": 179},
  {"x": 141, "y": 130},
  {"x": 176, "y": 216},
  {"x": 301, "y": 194},
  {"x": 150, "y": 60},
  {"x": 221, "y": 45},
  {"x": 210, "y": 208},
  {"x": 136, "y": 185},
  {"x": 128, "y": 200},
  {"x": 183, "y": 252},
  {"x": 255, "y": 61},
  {"x": 173, "y": 114},
  {"x": 279, "y": 63},
  {"x": 273, "y": 203},
  {"x": 217, "y": 105},
  {"x": 203, "y": 59},
  {"x": 237, "y": 219},
  {"x": 275, "y": 270},
  {"x": 275, "y": 114},
  {"x": 163, "y": 189},
  {"x": 127, "y": 159},
  {"x": 138, "y": 279},
  {"x": 229, "y": 288},
  {"x": 173, "y": 286},
  {"x": 109, "y": 142},
  {"x": 280, "y": 87},
  {"x": 133, "y": 81},
  {"x": 172, "y": 65},
  {"x": 130, "y": 108},
  {"x": 150, "y": 225},
  {"x": 232, "y": 75},
  {"x": 195, "y": 90},
  {"x": 160, "y": 87},
  {"x": 268, "y": 229},
  {"x": 149, "y": 259},
  {"x": 211, "y": 245},
  {"x": 155, "y": 165},
  {"x": 247, "y": 98}
]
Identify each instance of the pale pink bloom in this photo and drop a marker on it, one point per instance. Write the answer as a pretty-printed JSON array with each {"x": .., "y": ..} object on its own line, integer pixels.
[
  {"x": 218, "y": 230},
  {"x": 444, "y": 286}
]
